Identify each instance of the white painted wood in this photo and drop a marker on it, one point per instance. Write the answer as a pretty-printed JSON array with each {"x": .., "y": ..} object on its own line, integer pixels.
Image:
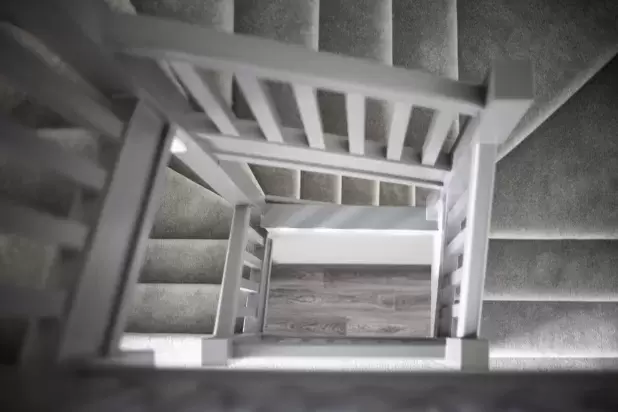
[
  {"x": 480, "y": 196},
  {"x": 255, "y": 238},
  {"x": 456, "y": 276},
  {"x": 211, "y": 101},
  {"x": 352, "y": 247},
  {"x": 467, "y": 355},
  {"x": 510, "y": 92},
  {"x": 437, "y": 203},
  {"x": 250, "y": 147},
  {"x": 262, "y": 106},
  {"x": 252, "y": 298},
  {"x": 232, "y": 274},
  {"x": 456, "y": 216},
  {"x": 456, "y": 246},
  {"x": 30, "y": 74},
  {"x": 398, "y": 218},
  {"x": 22, "y": 146},
  {"x": 116, "y": 230},
  {"x": 455, "y": 310},
  {"x": 249, "y": 286},
  {"x": 28, "y": 302},
  {"x": 43, "y": 227},
  {"x": 264, "y": 286},
  {"x": 307, "y": 101},
  {"x": 154, "y": 194},
  {"x": 293, "y": 200},
  {"x": 436, "y": 136},
  {"x": 243, "y": 176},
  {"x": 154, "y": 86},
  {"x": 355, "y": 116},
  {"x": 252, "y": 261},
  {"x": 170, "y": 40},
  {"x": 343, "y": 348},
  {"x": 398, "y": 129}
]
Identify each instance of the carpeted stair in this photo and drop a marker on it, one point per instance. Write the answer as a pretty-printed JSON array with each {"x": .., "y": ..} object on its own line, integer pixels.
[{"x": 551, "y": 283}]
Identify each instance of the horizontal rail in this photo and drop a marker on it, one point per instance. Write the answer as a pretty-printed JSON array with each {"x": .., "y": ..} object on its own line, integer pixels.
[
  {"x": 252, "y": 261},
  {"x": 26, "y": 302},
  {"x": 41, "y": 226},
  {"x": 249, "y": 286},
  {"x": 163, "y": 39},
  {"x": 255, "y": 237},
  {"x": 347, "y": 217},
  {"x": 456, "y": 276},
  {"x": 22, "y": 145},
  {"x": 456, "y": 246},
  {"x": 251, "y": 147}
]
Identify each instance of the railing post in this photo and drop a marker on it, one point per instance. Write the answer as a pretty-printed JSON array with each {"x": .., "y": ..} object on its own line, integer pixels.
[
  {"x": 436, "y": 211},
  {"x": 117, "y": 234},
  {"x": 509, "y": 95}
]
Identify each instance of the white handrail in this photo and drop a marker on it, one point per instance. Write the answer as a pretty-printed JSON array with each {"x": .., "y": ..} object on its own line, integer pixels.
[{"x": 163, "y": 39}]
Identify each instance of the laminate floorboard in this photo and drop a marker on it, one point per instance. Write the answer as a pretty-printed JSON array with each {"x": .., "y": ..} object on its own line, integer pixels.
[{"x": 349, "y": 301}]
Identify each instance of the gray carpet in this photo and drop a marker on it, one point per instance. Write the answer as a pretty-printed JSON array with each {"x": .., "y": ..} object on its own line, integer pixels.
[
  {"x": 558, "y": 183},
  {"x": 552, "y": 270},
  {"x": 562, "y": 39},
  {"x": 547, "y": 329}
]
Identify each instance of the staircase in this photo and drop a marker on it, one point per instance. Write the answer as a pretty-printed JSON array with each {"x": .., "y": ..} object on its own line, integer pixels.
[{"x": 550, "y": 296}]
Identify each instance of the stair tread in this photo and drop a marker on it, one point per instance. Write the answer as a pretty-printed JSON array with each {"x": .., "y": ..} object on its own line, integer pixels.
[
  {"x": 551, "y": 329},
  {"x": 552, "y": 269},
  {"x": 559, "y": 181},
  {"x": 174, "y": 308}
]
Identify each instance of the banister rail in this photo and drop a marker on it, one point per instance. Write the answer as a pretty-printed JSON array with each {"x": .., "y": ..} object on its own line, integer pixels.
[{"x": 165, "y": 39}]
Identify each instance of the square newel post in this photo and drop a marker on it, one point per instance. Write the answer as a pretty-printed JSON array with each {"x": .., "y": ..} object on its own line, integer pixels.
[{"x": 509, "y": 95}]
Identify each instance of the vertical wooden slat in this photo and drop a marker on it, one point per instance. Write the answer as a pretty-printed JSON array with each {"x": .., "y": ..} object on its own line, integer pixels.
[
  {"x": 437, "y": 202},
  {"x": 264, "y": 285},
  {"x": 211, "y": 102},
  {"x": 232, "y": 273},
  {"x": 438, "y": 130},
  {"x": 355, "y": 115},
  {"x": 307, "y": 101},
  {"x": 262, "y": 106},
  {"x": 397, "y": 130}
]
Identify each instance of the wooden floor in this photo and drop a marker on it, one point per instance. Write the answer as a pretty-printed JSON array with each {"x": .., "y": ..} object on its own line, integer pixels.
[{"x": 339, "y": 301}]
